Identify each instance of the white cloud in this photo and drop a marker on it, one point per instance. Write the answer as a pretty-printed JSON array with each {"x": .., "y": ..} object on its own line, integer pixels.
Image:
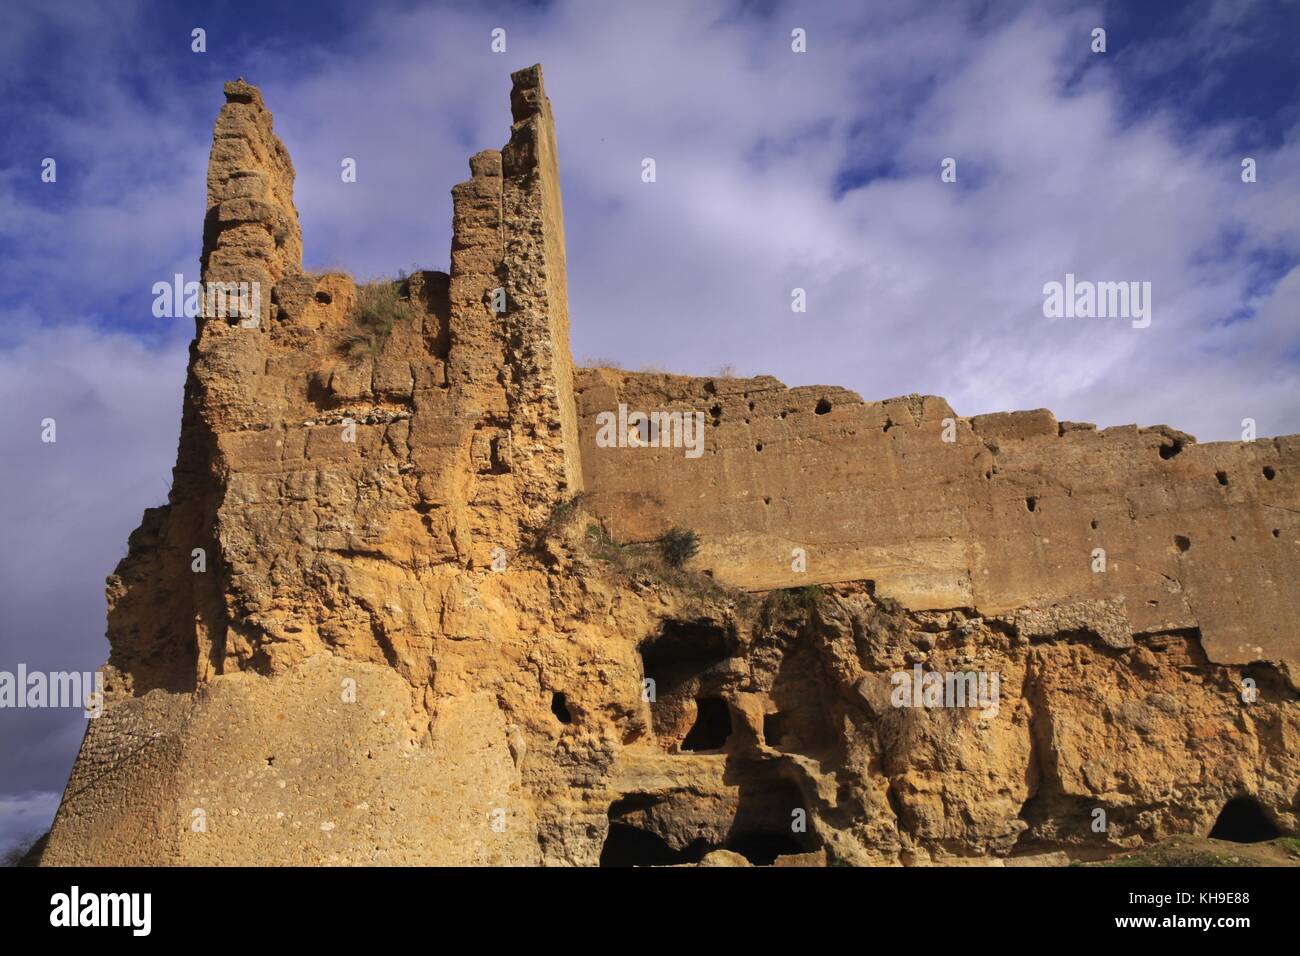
[{"x": 25, "y": 816}]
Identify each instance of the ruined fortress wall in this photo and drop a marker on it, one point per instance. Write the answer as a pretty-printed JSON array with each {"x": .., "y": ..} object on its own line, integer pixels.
[
  {"x": 537, "y": 291},
  {"x": 398, "y": 649},
  {"x": 344, "y": 501},
  {"x": 251, "y": 231},
  {"x": 1006, "y": 516}
]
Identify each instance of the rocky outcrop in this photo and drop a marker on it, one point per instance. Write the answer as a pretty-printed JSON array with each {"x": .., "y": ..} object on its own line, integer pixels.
[{"x": 405, "y": 603}]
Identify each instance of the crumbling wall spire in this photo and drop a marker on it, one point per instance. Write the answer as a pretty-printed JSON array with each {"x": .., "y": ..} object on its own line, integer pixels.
[
  {"x": 251, "y": 231},
  {"x": 537, "y": 296}
]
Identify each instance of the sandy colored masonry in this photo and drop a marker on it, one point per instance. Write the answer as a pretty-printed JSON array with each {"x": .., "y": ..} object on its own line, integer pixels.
[{"x": 430, "y": 626}]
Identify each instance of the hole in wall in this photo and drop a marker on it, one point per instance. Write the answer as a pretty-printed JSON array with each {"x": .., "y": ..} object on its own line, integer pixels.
[
  {"x": 626, "y": 845},
  {"x": 1031, "y": 504},
  {"x": 758, "y": 446},
  {"x": 1171, "y": 450},
  {"x": 1277, "y": 532},
  {"x": 774, "y": 729},
  {"x": 1269, "y": 473},
  {"x": 1221, "y": 477},
  {"x": 560, "y": 708},
  {"x": 1243, "y": 820},
  {"x": 823, "y": 406},
  {"x": 763, "y": 830},
  {"x": 324, "y": 298},
  {"x": 712, "y": 725},
  {"x": 681, "y": 650},
  {"x": 762, "y": 849},
  {"x": 1094, "y": 523},
  {"x": 1182, "y": 541}
]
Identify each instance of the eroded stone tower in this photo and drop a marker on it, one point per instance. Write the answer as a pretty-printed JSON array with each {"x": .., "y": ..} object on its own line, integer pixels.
[{"x": 373, "y": 624}]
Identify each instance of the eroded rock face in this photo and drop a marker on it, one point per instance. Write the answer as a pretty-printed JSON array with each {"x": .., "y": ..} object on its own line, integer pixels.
[
  {"x": 996, "y": 512},
  {"x": 374, "y": 625}
]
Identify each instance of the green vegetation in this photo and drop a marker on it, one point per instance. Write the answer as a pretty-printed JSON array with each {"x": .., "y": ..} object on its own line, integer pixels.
[
  {"x": 1189, "y": 851},
  {"x": 787, "y": 601},
  {"x": 678, "y": 545},
  {"x": 660, "y": 562},
  {"x": 380, "y": 305}
]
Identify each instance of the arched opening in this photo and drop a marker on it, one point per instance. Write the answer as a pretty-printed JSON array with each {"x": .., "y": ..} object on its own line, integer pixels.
[
  {"x": 712, "y": 725},
  {"x": 560, "y": 708},
  {"x": 1243, "y": 820},
  {"x": 627, "y": 845},
  {"x": 682, "y": 650},
  {"x": 771, "y": 821},
  {"x": 774, "y": 729},
  {"x": 762, "y": 849}
]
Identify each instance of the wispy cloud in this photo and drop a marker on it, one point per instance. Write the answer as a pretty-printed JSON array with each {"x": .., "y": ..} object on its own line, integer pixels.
[{"x": 25, "y": 816}]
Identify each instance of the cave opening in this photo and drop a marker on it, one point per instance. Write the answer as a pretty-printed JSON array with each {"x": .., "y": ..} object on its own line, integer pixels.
[
  {"x": 626, "y": 845},
  {"x": 762, "y": 849},
  {"x": 771, "y": 821},
  {"x": 712, "y": 725},
  {"x": 560, "y": 707},
  {"x": 1243, "y": 820},
  {"x": 774, "y": 729},
  {"x": 681, "y": 650}
]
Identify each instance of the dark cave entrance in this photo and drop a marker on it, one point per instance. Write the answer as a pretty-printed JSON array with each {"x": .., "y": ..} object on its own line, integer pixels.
[
  {"x": 560, "y": 708},
  {"x": 1243, "y": 820},
  {"x": 648, "y": 829},
  {"x": 763, "y": 828},
  {"x": 712, "y": 725},
  {"x": 626, "y": 845},
  {"x": 774, "y": 729},
  {"x": 681, "y": 650},
  {"x": 762, "y": 849}
]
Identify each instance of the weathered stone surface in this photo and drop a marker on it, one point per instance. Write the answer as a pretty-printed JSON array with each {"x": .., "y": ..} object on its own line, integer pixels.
[
  {"x": 1005, "y": 516},
  {"x": 373, "y": 625}
]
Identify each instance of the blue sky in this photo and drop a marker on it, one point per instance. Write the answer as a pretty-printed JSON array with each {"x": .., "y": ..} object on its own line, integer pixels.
[{"x": 775, "y": 170}]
